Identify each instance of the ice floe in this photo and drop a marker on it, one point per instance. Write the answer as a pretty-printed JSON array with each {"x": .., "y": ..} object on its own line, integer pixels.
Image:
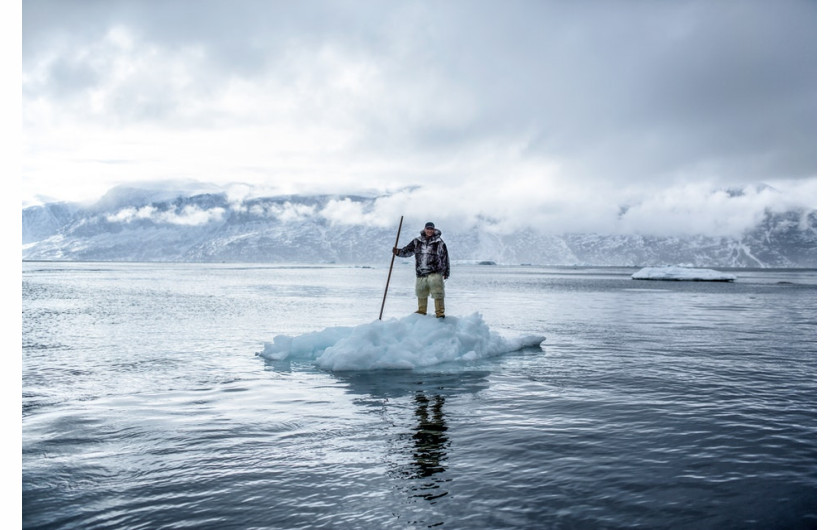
[
  {"x": 410, "y": 342},
  {"x": 682, "y": 274}
]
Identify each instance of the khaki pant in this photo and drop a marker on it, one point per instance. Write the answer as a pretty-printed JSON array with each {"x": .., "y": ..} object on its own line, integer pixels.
[{"x": 429, "y": 285}]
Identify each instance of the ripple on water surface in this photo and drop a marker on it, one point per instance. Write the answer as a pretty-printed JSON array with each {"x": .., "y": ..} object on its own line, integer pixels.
[{"x": 690, "y": 406}]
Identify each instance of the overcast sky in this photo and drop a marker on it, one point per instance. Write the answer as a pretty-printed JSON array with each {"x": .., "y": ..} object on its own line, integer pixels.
[{"x": 625, "y": 116}]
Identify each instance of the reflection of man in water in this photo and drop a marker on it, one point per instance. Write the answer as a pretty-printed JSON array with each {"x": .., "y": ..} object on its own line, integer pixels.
[{"x": 430, "y": 438}]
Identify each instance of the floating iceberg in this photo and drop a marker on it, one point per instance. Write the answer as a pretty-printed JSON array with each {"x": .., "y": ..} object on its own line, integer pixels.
[
  {"x": 410, "y": 342},
  {"x": 682, "y": 274}
]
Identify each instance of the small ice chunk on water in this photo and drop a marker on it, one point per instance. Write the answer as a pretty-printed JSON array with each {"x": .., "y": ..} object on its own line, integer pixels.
[{"x": 682, "y": 273}]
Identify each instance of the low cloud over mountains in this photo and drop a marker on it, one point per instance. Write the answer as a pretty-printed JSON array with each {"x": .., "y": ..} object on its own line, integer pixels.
[{"x": 136, "y": 225}]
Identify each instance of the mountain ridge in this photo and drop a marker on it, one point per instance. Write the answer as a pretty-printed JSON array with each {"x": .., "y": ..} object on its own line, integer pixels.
[{"x": 128, "y": 225}]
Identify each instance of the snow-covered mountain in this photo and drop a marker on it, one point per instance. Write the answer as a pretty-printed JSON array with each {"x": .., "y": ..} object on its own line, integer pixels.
[{"x": 131, "y": 225}]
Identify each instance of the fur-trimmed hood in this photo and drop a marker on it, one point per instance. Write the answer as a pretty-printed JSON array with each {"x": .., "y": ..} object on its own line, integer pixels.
[{"x": 432, "y": 239}]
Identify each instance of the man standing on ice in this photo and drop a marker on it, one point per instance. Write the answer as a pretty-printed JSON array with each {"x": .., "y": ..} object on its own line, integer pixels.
[{"x": 432, "y": 267}]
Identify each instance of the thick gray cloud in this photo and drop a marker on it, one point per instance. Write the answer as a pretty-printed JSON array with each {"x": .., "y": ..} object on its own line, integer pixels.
[{"x": 543, "y": 112}]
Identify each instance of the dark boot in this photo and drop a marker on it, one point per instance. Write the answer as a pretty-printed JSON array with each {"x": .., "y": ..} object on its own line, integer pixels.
[
  {"x": 422, "y": 304},
  {"x": 439, "y": 307}
]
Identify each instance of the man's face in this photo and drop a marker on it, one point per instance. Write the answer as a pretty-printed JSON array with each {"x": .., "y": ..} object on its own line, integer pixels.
[{"x": 430, "y": 231}]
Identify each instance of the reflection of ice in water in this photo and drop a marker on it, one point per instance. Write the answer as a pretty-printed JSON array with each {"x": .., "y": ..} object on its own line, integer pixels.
[{"x": 413, "y": 404}]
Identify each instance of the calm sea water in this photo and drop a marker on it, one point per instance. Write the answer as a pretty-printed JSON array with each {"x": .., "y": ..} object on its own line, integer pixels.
[{"x": 649, "y": 405}]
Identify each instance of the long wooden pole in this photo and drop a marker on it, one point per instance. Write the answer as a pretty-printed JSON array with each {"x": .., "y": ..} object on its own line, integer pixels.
[{"x": 397, "y": 242}]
